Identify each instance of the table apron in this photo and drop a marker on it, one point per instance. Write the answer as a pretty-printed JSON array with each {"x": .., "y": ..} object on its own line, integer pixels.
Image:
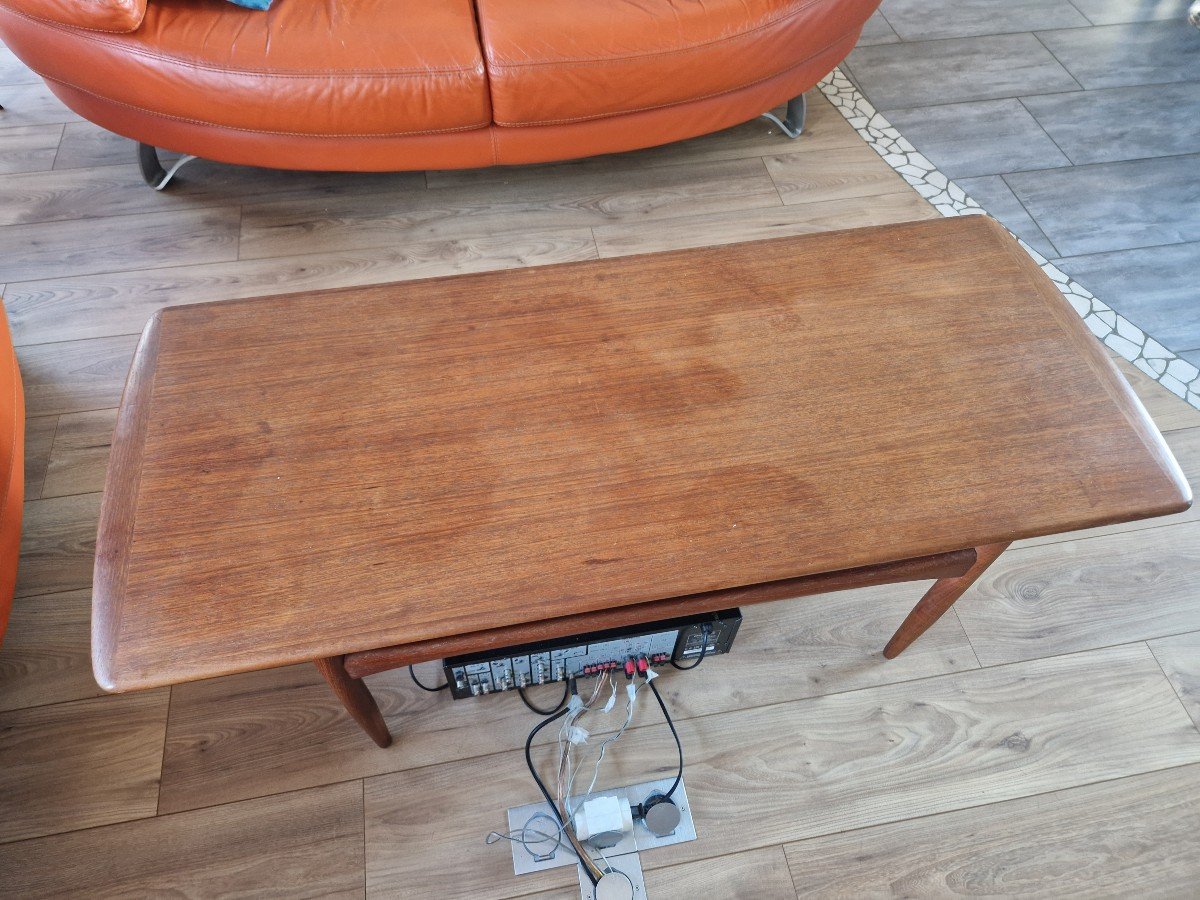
[{"x": 941, "y": 565}]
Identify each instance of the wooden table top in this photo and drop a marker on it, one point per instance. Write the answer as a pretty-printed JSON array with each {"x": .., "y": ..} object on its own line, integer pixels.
[{"x": 315, "y": 474}]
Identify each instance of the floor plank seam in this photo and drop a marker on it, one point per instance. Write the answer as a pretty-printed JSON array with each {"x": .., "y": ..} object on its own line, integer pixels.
[
  {"x": 1129, "y": 643},
  {"x": 1073, "y": 536},
  {"x": 1021, "y": 203},
  {"x": 162, "y": 756},
  {"x": 39, "y": 499},
  {"x": 362, "y": 783},
  {"x": 58, "y": 147},
  {"x": 41, "y": 491},
  {"x": 634, "y": 729},
  {"x": 1037, "y": 36},
  {"x": 868, "y": 827},
  {"x": 105, "y": 337},
  {"x": 966, "y": 634},
  {"x": 299, "y": 790},
  {"x": 240, "y": 233},
  {"x": 791, "y": 872},
  {"x": 170, "y": 815},
  {"x": 908, "y": 819},
  {"x": 1018, "y": 799},
  {"x": 1167, "y": 675},
  {"x": 1091, "y": 23},
  {"x": 774, "y": 183}
]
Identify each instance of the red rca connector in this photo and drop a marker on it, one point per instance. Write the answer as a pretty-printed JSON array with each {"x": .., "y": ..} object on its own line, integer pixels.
[
  {"x": 630, "y": 668},
  {"x": 642, "y": 665}
]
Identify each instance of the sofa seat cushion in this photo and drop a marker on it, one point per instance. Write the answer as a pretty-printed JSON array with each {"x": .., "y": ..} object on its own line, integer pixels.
[
  {"x": 318, "y": 67},
  {"x": 557, "y": 61}
]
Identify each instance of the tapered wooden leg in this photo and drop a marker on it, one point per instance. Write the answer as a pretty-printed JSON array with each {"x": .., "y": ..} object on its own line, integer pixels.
[
  {"x": 938, "y": 599},
  {"x": 357, "y": 699}
]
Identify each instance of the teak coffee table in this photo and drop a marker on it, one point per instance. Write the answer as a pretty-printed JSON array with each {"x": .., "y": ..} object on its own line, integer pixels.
[{"x": 378, "y": 476}]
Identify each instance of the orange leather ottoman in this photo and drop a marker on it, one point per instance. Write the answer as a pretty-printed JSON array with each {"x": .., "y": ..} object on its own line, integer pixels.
[{"x": 381, "y": 85}]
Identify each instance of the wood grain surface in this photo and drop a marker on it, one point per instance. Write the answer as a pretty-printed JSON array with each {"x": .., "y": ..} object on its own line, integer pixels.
[
  {"x": 80, "y": 764},
  {"x": 580, "y": 197},
  {"x": 1185, "y": 446},
  {"x": 79, "y": 455},
  {"x": 1117, "y": 839},
  {"x": 180, "y": 236},
  {"x": 282, "y": 729},
  {"x": 844, "y": 173},
  {"x": 1168, "y": 413},
  {"x": 944, "y": 565},
  {"x": 86, "y": 146},
  {"x": 32, "y": 103},
  {"x": 75, "y": 376},
  {"x": 58, "y": 544},
  {"x": 409, "y": 462},
  {"x": 94, "y": 306},
  {"x": 28, "y": 149},
  {"x": 302, "y": 845},
  {"x": 47, "y": 651},
  {"x": 757, "y": 223},
  {"x": 1179, "y": 656},
  {"x": 39, "y": 439},
  {"x": 73, "y": 193},
  {"x": 752, "y": 875},
  {"x": 1086, "y": 593},
  {"x": 276, "y": 731},
  {"x": 814, "y": 767}
]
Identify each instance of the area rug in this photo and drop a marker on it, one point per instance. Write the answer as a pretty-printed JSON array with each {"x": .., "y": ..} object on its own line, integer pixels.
[{"x": 1122, "y": 336}]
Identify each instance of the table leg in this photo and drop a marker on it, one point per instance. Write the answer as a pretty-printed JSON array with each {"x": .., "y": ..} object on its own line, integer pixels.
[
  {"x": 357, "y": 699},
  {"x": 938, "y": 599}
]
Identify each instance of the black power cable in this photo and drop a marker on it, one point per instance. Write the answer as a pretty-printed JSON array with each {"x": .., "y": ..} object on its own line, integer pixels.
[
  {"x": 542, "y": 787},
  {"x": 545, "y": 712},
  {"x": 674, "y": 734},
  {"x": 706, "y": 630},
  {"x": 425, "y": 687}
]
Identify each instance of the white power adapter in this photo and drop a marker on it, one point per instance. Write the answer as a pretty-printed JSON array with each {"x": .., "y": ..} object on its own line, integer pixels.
[{"x": 602, "y": 821}]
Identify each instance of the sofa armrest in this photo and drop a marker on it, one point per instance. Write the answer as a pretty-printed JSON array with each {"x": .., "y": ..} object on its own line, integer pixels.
[{"x": 95, "y": 15}]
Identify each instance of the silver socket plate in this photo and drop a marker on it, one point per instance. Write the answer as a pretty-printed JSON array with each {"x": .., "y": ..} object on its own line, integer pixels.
[
  {"x": 537, "y": 855},
  {"x": 630, "y": 865}
]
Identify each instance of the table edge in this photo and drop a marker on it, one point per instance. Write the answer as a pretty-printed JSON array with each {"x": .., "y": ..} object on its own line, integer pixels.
[
  {"x": 1110, "y": 377},
  {"x": 118, "y": 507}
]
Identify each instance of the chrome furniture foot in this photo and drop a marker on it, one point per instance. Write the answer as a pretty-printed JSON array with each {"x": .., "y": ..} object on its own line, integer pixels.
[
  {"x": 792, "y": 123},
  {"x": 152, "y": 171}
]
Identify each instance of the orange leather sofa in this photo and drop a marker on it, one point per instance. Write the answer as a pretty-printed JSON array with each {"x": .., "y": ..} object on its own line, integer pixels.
[
  {"x": 382, "y": 85},
  {"x": 12, "y": 469}
]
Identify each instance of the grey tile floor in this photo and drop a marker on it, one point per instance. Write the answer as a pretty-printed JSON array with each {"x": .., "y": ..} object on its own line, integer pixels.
[{"x": 1074, "y": 122}]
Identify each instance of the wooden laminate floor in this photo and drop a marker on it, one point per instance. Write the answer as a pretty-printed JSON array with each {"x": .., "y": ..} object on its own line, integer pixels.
[{"x": 1041, "y": 739}]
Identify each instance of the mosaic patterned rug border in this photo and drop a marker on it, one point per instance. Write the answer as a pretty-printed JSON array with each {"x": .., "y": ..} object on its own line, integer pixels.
[{"x": 1177, "y": 375}]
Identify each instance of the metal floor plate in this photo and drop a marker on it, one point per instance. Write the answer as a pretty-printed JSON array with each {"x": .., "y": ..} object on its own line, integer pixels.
[
  {"x": 630, "y": 865},
  {"x": 536, "y": 853}
]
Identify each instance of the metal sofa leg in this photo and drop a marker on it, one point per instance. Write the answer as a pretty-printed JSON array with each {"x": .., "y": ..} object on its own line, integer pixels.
[
  {"x": 792, "y": 124},
  {"x": 152, "y": 171}
]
